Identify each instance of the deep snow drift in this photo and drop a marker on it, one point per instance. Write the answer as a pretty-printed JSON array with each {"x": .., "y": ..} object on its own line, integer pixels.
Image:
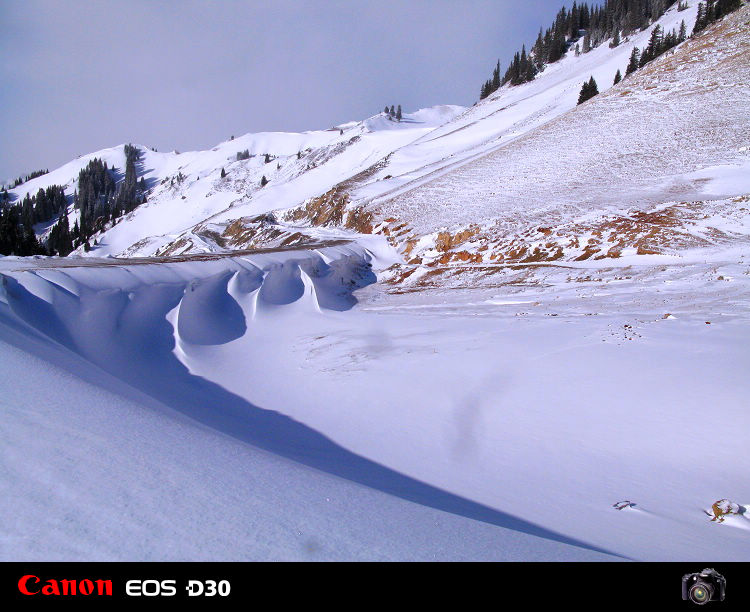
[
  {"x": 118, "y": 473},
  {"x": 529, "y": 342},
  {"x": 533, "y": 405},
  {"x": 93, "y": 471}
]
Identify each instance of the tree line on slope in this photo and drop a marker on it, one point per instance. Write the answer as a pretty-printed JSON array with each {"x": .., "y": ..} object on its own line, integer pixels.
[
  {"x": 712, "y": 10},
  {"x": 17, "y": 238},
  {"x": 598, "y": 24},
  {"x": 98, "y": 198},
  {"x": 24, "y": 179},
  {"x": 593, "y": 24},
  {"x": 660, "y": 43}
]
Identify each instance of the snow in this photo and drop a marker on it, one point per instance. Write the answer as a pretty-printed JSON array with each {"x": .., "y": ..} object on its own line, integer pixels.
[
  {"x": 100, "y": 475},
  {"x": 174, "y": 207},
  {"x": 118, "y": 472},
  {"x": 512, "y": 112},
  {"x": 335, "y": 402},
  {"x": 637, "y": 144},
  {"x": 387, "y": 161},
  {"x": 548, "y": 416},
  {"x": 724, "y": 180},
  {"x": 397, "y": 157}
]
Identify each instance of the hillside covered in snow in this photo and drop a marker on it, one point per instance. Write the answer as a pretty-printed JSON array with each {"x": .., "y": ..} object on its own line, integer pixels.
[{"x": 513, "y": 331}]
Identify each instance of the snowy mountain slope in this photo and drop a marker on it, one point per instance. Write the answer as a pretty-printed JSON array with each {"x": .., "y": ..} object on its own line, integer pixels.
[
  {"x": 323, "y": 162},
  {"x": 514, "y": 111},
  {"x": 638, "y": 144},
  {"x": 187, "y": 188},
  {"x": 491, "y": 125},
  {"x": 527, "y": 176},
  {"x": 100, "y": 475},
  {"x": 373, "y": 161},
  {"x": 657, "y": 164}
]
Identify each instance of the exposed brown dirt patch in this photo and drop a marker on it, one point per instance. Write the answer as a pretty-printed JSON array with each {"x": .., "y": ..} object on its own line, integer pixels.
[
  {"x": 446, "y": 241},
  {"x": 325, "y": 210}
]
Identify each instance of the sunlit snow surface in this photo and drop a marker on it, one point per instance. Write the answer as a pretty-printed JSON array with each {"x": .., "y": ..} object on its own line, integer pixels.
[
  {"x": 325, "y": 404},
  {"x": 100, "y": 461},
  {"x": 546, "y": 395}
]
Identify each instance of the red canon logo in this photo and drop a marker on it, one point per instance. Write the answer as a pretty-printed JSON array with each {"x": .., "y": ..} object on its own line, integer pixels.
[{"x": 33, "y": 585}]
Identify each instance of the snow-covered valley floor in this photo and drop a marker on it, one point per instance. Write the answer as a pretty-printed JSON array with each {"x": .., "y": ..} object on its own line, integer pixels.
[
  {"x": 251, "y": 408},
  {"x": 514, "y": 331}
]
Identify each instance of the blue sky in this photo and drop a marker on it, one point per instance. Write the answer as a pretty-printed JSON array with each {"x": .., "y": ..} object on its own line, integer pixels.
[{"x": 80, "y": 76}]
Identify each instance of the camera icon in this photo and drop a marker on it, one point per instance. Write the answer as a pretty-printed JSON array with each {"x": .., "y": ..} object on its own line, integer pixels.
[{"x": 702, "y": 587}]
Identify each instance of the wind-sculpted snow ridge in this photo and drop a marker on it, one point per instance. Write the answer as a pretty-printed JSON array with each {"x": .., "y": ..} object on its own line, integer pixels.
[
  {"x": 153, "y": 326},
  {"x": 90, "y": 299},
  {"x": 533, "y": 402}
]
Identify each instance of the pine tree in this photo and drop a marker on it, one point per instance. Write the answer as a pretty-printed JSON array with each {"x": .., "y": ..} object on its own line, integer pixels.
[
  {"x": 30, "y": 244},
  {"x": 634, "y": 61},
  {"x": 60, "y": 241},
  {"x": 223, "y": 173},
  {"x": 588, "y": 91},
  {"x": 65, "y": 244},
  {"x": 10, "y": 237},
  {"x": 537, "y": 50},
  {"x": 263, "y": 181},
  {"x": 127, "y": 195},
  {"x": 583, "y": 96},
  {"x": 618, "y": 77},
  {"x": 615, "y": 40},
  {"x": 655, "y": 46},
  {"x": 700, "y": 20},
  {"x": 713, "y": 10},
  {"x": 724, "y": 7},
  {"x": 710, "y": 11},
  {"x": 399, "y": 116}
]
